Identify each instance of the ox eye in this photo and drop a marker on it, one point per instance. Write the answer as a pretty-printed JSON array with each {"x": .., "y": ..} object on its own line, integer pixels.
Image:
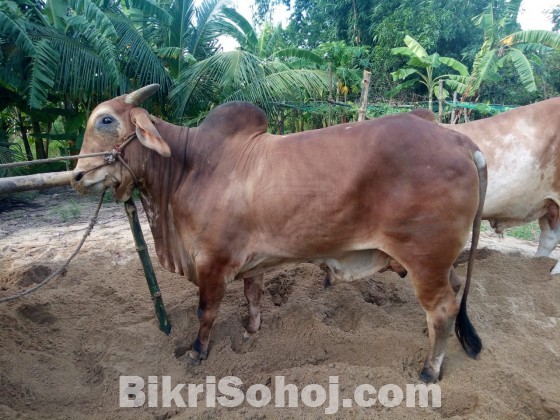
[{"x": 107, "y": 120}]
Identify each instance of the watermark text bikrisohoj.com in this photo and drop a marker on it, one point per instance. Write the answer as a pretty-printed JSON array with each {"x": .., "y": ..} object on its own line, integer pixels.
[{"x": 159, "y": 391}]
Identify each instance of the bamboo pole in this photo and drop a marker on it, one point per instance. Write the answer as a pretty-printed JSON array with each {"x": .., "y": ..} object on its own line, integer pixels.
[
  {"x": 142, "y": 250},
  {"x": 34, "y": 182}
]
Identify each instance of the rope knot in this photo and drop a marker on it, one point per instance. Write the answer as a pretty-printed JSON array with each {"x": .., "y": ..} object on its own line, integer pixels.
[{"x": 112, "y": 156}]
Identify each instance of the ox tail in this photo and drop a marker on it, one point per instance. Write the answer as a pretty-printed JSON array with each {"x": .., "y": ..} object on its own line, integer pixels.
[{"x": 464, "y": 329}]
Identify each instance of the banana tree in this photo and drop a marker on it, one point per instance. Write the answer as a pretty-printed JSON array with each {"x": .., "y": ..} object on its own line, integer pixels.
[
  {"x": 423, "y": 67},
  {"x": 517, "y": 48}
]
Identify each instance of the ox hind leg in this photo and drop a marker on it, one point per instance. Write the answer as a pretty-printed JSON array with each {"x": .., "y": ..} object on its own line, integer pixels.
[
  {"x": 253, "y": 287},
  {"x": 550, "y": 235},
  {"x": 211, "y": 293},
  {"x": 454, "y": 281},
  {"x": 437, "y": 298}
]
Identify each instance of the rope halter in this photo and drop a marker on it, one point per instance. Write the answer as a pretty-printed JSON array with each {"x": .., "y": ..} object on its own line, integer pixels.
[{"x": 115, "y": 154}]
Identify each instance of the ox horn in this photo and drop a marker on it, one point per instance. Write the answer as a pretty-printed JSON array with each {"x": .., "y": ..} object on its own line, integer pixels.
[{"x": 140, "y": 95}]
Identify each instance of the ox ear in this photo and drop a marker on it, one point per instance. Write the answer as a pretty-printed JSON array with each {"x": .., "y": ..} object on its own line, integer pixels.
[{"x": 147, "y": 133}]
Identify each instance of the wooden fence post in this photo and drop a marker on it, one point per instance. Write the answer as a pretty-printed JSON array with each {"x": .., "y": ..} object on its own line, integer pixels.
[
  {"x": 440, "y": 101},
  {"x": 364, "y": 99},
  {"x": 330, "y": 94}
]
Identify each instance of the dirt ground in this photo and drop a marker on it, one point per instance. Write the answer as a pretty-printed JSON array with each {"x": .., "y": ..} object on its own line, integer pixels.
[{"x": 63, "y": 348}]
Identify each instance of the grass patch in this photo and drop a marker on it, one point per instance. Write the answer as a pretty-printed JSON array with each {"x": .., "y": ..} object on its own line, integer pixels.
[
  {"x": 529, "y": 232},
  {"x": 68, "y": 211}
]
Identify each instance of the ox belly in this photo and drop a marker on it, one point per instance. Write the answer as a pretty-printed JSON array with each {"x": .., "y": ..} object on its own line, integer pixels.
[
  {"x": 519, "y": 189},
  {"x": 348, "y": 266}
]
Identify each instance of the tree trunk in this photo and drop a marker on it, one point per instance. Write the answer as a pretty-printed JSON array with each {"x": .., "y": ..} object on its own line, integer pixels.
[
  {"x": 24, "y": 138},
  {"x": 281, "y": 122},
  {"x": 39, "y": 144}
]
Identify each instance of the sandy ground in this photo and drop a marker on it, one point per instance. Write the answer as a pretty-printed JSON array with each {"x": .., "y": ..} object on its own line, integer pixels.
[{"x": 63, "y": 348}]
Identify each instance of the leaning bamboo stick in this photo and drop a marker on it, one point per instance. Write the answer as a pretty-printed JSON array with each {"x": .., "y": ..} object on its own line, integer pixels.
[{"x": 142, "y": 249}]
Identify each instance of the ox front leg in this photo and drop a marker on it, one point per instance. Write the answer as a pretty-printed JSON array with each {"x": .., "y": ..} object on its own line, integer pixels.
[
  {"x": 438, "y": 300},
  {"x": 253, "y": 292},
  {"x": 212, "y": 288}
]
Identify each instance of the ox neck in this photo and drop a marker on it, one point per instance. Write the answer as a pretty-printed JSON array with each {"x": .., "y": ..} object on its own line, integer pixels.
[
  {"x": 145, "y": 162},
  {"x": 159, "y": 180}
]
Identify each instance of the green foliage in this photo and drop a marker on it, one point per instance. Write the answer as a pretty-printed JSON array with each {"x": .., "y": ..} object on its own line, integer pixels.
[
  {"x": 68, "y": 55},
  {"x": 503, "y": 43},
  {"x": 43, "y": 68},
  {"x": 423, "y": 67},
  {"x": 68, "y": 211},
  {"x": 528, "y": 232}
]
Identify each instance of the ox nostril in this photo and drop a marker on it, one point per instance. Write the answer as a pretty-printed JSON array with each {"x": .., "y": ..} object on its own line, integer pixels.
[{"x": 79, "y": 176}]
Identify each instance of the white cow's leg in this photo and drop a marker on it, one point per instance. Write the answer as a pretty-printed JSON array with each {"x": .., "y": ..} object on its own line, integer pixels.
[
  {"x": 547, "y": 242},
  {"x": 253, "y": 292},
  {"x": 549, "y": 238}
]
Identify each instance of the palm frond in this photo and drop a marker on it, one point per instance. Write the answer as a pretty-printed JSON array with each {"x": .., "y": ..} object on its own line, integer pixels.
[
  {"x": 11, "y": 30},
  {"x": 207, "y": 78},
  {"x": 94, "y": 14},
  {"x": 298, "y": 53},
  {"x": 202, "y": 42},
  {"x": 83, "y": 70},
  {"x": 140, "y": 61},
  {"x": 287, "y": 85},
  {"x": 43, "y": 70},
  {"x": 150, "y": 8},
  {"x": 242, "y": 29}
]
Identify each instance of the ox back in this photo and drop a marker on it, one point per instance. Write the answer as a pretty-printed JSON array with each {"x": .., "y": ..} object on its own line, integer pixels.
[
  {"x": 522, "y": 148},
  {"x": 227, "y": 200}
]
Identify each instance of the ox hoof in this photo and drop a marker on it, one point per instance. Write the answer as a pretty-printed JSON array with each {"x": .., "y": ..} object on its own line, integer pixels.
[
  {"x": 555, "y": 270},
  {"x": 194, "y": 358},
  {"x": 428, "y": 375},
  {"x": 248, "y": 336}
]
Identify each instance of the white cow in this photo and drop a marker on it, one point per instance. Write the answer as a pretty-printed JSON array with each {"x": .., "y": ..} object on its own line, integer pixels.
[{"x": 522, "y": 149}]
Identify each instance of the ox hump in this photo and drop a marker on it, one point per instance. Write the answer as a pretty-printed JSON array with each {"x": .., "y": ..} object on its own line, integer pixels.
[{"x": 235, "y": 118}]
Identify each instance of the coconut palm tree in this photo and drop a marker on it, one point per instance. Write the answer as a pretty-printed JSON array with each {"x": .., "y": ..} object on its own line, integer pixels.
[
  {"x": 81, "y": 50},
  {"x": 261, "y": 71},
  {"x": 68, "y": 55}
]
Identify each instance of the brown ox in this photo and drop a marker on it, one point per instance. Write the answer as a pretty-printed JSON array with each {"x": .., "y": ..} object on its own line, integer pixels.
[
  {"x": 227, "y": 200},
  {"x": 522, "y": 148}
]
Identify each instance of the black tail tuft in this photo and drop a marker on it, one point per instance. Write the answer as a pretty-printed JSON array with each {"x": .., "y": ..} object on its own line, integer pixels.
[{"x": 466, "y": 333}]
